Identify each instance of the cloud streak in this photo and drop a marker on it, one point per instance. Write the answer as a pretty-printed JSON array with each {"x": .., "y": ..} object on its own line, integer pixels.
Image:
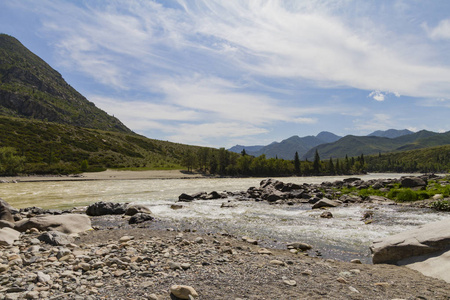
[{"x": 243, "y": 69}]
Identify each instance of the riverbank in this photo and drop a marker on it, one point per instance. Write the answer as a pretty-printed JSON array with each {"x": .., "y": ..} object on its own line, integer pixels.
[
  {"x": 108, "y": 175},
  {"x": 122, "y": 261}
]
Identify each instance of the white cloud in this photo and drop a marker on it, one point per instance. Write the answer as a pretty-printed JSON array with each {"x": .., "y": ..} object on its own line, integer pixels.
[
  {"x": 376, "y": 122},
  {"x": 377, "y": 95},
  {"x": 141, "y": 115},
  {"x": 440, "y": 32},
  {"x": 275, "y": 39},
  {"x": 203, "y": 134}
]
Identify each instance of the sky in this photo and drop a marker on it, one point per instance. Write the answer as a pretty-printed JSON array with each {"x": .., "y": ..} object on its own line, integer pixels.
[{"x": 221, "y": 73}]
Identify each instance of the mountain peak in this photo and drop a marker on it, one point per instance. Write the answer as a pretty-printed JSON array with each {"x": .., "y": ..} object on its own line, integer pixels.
[
  {"x": 390, "y": 133},
  {"x": 30, "y": 88}
]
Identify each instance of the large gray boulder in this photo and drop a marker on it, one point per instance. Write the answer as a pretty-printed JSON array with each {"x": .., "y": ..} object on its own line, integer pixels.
[
  {"x": 412, "y": 182},
  {"x": 429, "y": 245},
  {"x": 67, "y": 223}
]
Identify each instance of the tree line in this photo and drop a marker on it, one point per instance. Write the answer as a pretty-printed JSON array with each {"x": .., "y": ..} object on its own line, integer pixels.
[{"x": 223, "y": 162}]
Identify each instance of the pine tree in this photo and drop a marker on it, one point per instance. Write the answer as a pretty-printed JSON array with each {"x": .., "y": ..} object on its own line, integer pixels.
[
  {"x": 297, "y": 164},
  {"x": 316, "y": 163}
]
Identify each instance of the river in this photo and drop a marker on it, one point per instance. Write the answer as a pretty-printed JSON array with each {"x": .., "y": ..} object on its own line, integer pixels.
[{"x": 343, "y": 237}]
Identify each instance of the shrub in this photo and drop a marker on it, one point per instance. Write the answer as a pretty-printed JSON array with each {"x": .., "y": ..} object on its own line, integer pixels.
[{"x": 443, "y": 205}]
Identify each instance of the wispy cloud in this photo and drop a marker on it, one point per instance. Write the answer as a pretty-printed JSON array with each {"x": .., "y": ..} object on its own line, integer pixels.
[
  {"x": 440, "y": 32},
  {"x": 210, "y": 70}
]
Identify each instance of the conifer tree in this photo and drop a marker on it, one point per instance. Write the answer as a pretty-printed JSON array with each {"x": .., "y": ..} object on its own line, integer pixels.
[{"x": 297, "y": 164}]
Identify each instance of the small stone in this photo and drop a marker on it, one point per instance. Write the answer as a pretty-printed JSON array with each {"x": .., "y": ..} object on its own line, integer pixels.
[
  {"x": 326, "y": 215},
  {"x": 353, "y": 289},
  {"x": 250, "y": 240},
  {"x": 307, "y": 273},
  {"x": 185, "y": 266},
  {"x": 356, "y": 261},
  {"x": 174, "y": 265},
  {"x": 32, "y": 295},
  {"x": 183, "y": 291},
  {"x": 3, "y": 268},
  {"x": 277, "y": 262},
  {"x": 119, "y": 273},
  {"x": 290, "y": 282},
  {"x": 42, "y": 277},
  {"x": 126, "y": 238},
  {"x": 264, "y": 251},
  {"x": 342, "y": 280},
  {"x": 299, "y": 245},
  {"x": 199, "y": 240},
  {"x": 383, "y": 284}
]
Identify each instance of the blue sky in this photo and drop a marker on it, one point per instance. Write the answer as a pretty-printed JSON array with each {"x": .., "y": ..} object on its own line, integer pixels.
[{"x": 220, "y": 73}]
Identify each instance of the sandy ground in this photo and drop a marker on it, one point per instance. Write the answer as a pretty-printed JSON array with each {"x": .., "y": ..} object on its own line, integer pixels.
[{"x": 110, "y": 175}]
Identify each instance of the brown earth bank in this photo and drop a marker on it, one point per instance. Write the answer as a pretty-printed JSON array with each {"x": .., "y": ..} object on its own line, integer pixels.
[
  {"x": 108, "y": 175},
  {"x": 122, "y": 261}
]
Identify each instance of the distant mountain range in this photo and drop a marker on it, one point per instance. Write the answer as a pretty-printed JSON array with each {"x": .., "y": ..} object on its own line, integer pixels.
[
  {"x": 330, "y": 145},
  {"x": 286, "y": 149}
]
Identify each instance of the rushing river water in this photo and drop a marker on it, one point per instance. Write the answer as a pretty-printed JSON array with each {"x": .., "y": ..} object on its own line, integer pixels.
[{"x": 344, "y": 236}]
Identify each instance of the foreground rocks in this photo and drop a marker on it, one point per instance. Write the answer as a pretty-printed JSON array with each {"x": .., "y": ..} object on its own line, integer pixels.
[
  {"x": 130, "y": 262},
  {"x": 426, "y": 249}
]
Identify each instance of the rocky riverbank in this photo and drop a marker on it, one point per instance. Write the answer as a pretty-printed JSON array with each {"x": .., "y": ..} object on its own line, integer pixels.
[{"x": 123, "y": 261}]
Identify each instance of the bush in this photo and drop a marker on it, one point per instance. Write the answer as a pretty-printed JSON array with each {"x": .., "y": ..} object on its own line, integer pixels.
[
  {"x": 10, "y": 163},
  {"x": 443, "y": 205},
  {"x": 406, "y": 195}
]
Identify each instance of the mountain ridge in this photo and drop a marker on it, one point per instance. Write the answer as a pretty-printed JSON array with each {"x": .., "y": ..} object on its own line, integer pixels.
[{"x": 30, "y": 88}]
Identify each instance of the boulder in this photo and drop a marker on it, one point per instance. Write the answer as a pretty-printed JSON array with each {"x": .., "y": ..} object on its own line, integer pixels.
[
  {"x": 183, "y": 291},
  {"x": 9, "y": 224},
  {"x": 56, "y": 238},
  {"x": 140, "y": 218},
  {"x": 5, "y": 211},
  {"x": 326, "y": 215},
  {"x": 412, "y": 182},
  {"x": 326, "y": 203},
  {"x": 68, "y": 223},
  {"x": 106, "y": 208},
  {"x": 8, "y": 236},
  {"x": 429, "y": 238},
  {"x": 137, "y": 208},
  {"x": 299, "y": 245},
  {"x": 185, "y": 198},
  {"x": 425, "y": 249}
]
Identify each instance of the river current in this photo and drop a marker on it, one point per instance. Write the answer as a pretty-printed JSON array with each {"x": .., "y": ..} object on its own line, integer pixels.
[{"x": 345, "y": 236}]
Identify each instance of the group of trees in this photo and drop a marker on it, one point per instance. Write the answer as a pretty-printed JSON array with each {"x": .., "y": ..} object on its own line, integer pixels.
[{"x": 223, "y": 162}]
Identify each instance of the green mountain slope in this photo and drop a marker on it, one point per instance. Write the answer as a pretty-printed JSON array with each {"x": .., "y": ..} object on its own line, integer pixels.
[
  {"x": 430, "y": 159},
  {"x": 56, "y": 148},
  {"x": 357, "y": 145},
  {"x": 30, "y": 88}
]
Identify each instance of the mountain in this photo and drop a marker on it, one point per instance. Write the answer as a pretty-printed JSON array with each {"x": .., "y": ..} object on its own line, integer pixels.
[
  {"x": 391, "y": 133},
  {"x": 50, "y": 128},
  {"x": 328, "y": 137},
  {"x": 356, "y": 145},
  {"x": 30, "y": 88},
  {"x": 286, "y": 148},
  {"x": 248, "y": 149}
]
